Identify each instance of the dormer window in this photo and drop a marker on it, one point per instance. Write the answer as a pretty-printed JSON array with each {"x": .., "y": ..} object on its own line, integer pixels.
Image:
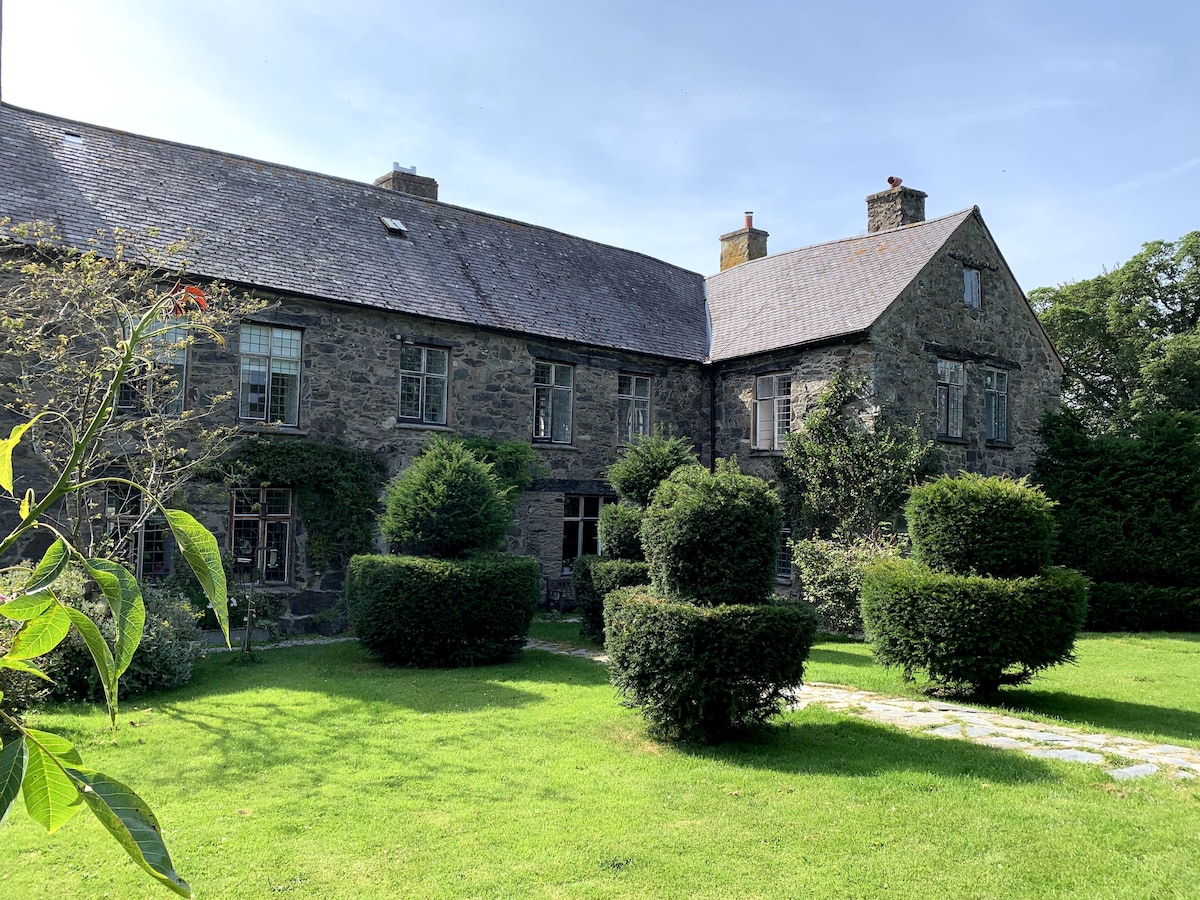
[{"x": 972, "y": 287}]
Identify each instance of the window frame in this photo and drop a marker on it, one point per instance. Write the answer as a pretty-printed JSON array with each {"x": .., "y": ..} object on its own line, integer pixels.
[
  {"x": 972, "y": 287},
  {"x": 995, "y": 405},
  {"x": 783, "y": 565},
  {"x": 548, "y": 399},
  {"x": 422, "y": 378},
  {"x": 149, "y": 551},
  {"x": 630, "y": 403},
  {"x": 167, "y": 353},
  {"x": 267, "y": 363},
  {"x": 583, "y": 541},
  {"x": 949, "y": 396},
  {"x": 773, "y": 401},
  {"x": 258, "y": 505}
]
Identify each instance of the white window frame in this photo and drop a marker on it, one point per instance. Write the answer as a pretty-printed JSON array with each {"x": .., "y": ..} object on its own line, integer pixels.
[
  {"x": 553, "y": 402},
  {"x": 423, "y": 388},
  {"x": 772, "y": 410},
  {"x": 265, "y": 514},
  {"x": 586, "y": 540},
  {"x": 634, "y": 393},
  {"x": 972, "y": 287},
  {"x": 995, "y": 396},
  {"x": 276, "y": 353},
  {"x": 951, "y": 382}
]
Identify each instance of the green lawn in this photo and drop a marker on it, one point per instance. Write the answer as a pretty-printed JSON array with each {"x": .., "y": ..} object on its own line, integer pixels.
[{"x": 320, "y": 774}]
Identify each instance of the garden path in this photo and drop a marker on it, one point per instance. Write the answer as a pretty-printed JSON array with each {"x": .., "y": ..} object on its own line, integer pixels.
[{"x": 1124, "y": 758}]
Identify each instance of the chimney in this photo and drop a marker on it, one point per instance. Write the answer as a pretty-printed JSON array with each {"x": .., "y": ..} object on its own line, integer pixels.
[
  {"x": 407, "y": 181},
  {"x": 743, "y": 245},
  {"x": 895, "y": 207}
]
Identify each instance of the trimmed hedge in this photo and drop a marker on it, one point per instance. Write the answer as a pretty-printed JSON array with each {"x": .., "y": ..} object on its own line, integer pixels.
[
  {"x": 971, "y": 631},
  {"x": 705, "y": 673},
  {"x": 713, "y": 537},
  {"x": 831, "y": 577},
  {"x": 971, "y": 524},
  {"x": 645, "y": 463},
  {"x": 415, "y": 611},
  {"x": 1137, "y": 606},
  {"x": 621, "y": 531},
  {"x": 596, "y": 576}
]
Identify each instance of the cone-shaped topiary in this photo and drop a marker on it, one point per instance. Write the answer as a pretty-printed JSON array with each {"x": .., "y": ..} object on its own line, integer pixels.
[{"x": 645, "y": 463}]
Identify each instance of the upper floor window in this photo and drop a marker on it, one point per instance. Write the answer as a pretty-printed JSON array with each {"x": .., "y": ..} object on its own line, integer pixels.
[
  {"x": 972, "y": 288},
  {"x": 159, "y": 384},
  {"x": 633, "y": 406},
  {"x": 772, "y": 411},
  {"x": 270, "y": 379},
  {"x": 950, "y": 380},
  {"x": 995, "y": 396},
  {"x": 260, "y": 533},
  {"x": 423, "y": 384},
  {"x": 553, "y": 390}
]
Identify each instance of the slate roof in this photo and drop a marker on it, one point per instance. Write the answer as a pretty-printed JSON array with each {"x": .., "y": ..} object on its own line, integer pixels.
[
  {"x": 294, "y": 231},
  {"x": 821, "y": 292}
]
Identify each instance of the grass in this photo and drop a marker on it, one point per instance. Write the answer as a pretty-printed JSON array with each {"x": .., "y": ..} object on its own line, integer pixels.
[{"x": 320, "y": 774}]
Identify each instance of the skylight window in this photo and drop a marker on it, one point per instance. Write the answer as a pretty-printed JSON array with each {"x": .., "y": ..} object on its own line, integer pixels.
[
  {"x": 72, "y": 140},
  {"x": 394, "y": 226}
]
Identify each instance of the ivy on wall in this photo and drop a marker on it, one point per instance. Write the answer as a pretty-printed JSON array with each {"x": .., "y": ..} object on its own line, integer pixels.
[{"x": 336, "y": 489}]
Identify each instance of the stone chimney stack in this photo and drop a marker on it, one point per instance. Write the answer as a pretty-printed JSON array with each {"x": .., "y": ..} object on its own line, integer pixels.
[
  {"x": 407, "y": 181},
  {"x": 895, "y": 207},
  {"x": 743, "y": 245}
]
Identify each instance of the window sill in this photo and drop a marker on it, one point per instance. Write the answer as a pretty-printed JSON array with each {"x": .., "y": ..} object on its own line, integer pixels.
[
  {"x": 421, "y": 426},
  {"x": 947, "y": 439},
  {"x": 550, "y": 445},
  {"x": 998, "y": 445},
  {"x": 261, "y": 428}
]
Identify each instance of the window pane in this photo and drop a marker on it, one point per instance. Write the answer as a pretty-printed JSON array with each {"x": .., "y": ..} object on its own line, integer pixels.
[
  {"x": 255, "y": 339},
  {"x": 410, "y": 396},
  {"x": 542, "y": 373},
  {"x": 245, "y": 544},
  {"x": 274, "y": 557},
  {"x": 253, "y": 393},
  {"x": 570, "y": 544},
  {"x": 411, "y": 359},
  {"x": 571, "y": 507},
  {"x": 285, "y": 391},
  {"x": 624, "y": 385},
  {"x": 783, "y": 419},
  {"x": 764, "y": 387},
  {"x": 640, "y": 417},
  {"x": 277, "y": 501},
  {"x": 285, "y": 342},
  {"x": 435, "y": 362},
  {"x": 589, "y": 542},
  {"x": 561, "y": 416},
  {"x": 562, "y": 376},
  {"x": 764, "y": 420},
  {"x": 435, "y": 400},
  {"x": 591, "y": 507},
  {"x": 641, "y": 387},
  {"x": 541, "y": 412}
]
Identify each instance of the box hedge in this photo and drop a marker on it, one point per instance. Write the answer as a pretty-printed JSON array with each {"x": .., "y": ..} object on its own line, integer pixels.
[
  {"x": 596, "y": 576},
  {"x": 415, "y": 611},
  {"x": 1138, "y": 606},
  {"x": 705, "y": 672},
  {"x": 971, "y": 632},
  {"x": 970, "y": 524},
  {"x": 621, "y": 531}
]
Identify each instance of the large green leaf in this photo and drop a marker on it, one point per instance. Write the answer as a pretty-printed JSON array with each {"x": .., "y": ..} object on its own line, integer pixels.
[
  {"x": 56, "y": 745},
  {"x": 128, "y": 608},
  {"x": 41, "y": 634},
  {"x": 50, "y": 797},
  {"x": 7, "y": 445},
  {"x": 101, "y": 655},
  {"x": 200, "y": 549},
  {"x": 20, "y": 665},
  {"x": 22, "y": 609},
  {"x": 54, "y": 560},
  {"x": 130, "y": 821},
  {"x": 12, "y": 769}
]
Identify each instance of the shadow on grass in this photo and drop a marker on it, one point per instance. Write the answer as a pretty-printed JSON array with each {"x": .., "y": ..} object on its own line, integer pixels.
[
  {"x": 1103, "y": 714},
  {"x": 856, "y": 748},
  {"x": 839, "y": 657}
]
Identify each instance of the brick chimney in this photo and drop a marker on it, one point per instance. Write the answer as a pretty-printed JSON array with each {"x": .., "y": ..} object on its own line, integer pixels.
[
  {"x": 895, "y": 207},
  {"x": 407, "y": 181},
  {"x": 743, "y": 245}
]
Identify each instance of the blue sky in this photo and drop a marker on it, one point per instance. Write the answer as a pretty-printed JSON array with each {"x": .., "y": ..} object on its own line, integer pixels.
[{"x": 1075, "y": 127}]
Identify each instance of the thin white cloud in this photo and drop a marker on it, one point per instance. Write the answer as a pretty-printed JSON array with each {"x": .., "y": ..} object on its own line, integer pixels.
[{"x": 1158, "y": 176}]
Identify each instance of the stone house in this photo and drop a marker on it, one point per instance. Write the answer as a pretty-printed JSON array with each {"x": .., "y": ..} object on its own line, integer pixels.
[{"x": 394, "y": 315}]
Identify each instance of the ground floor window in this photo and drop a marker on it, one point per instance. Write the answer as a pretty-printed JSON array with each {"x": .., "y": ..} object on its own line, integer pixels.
[
  {"x": 581, "y": 521},
  {"x": 783, "y": 565},
  {"x": 143, "y": 543},
  {"x": 260, "y": 533}
]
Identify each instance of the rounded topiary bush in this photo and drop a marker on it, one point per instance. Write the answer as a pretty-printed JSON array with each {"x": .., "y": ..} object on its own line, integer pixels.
[
  {"x": 705, "y": 673},
  {"x": 970, "y": 524},
  {"x": 415, "y": 611},
  {"x": 596, "y": 576},
  {"x": 971, "y": 632},
  {"x": 621, "y": 531},
  {"x": 446, "y": 504},
  {"x": 645, "y": 463},
  {"x": 713, "y": 537}
]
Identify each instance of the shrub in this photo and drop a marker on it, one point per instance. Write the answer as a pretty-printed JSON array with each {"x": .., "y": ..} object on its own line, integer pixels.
[
  {"x": 514, "y": 463},
  {"x": 713, "y": 537},
  {"x": 704, "y": 673},
  {"x": 446, "y": 503},
  {"x": 170, "y": 646},
  {"x": 831, "y": 577},
  {"x": 181, "y": 582},
  {"x": 413, "y": 611},
  {"x": 595, "y": 577},
  {"x": 1138, "y": 606},
  {"x": 620, "y": 531},
  {"x": 645, "y": 463},
  {"x": 970, "y": 631},
  {"x": 970, "y": 524}
]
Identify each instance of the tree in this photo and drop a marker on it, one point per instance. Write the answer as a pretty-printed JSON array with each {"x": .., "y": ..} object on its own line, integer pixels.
[
  {"x": 73, "y": 431},
  {"x": 1130, "y": 338},
  {"x": 842, "y": 476}
]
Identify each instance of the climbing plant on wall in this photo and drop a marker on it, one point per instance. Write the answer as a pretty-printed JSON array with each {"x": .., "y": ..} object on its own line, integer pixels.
[{"x": 336, "y": 487}]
